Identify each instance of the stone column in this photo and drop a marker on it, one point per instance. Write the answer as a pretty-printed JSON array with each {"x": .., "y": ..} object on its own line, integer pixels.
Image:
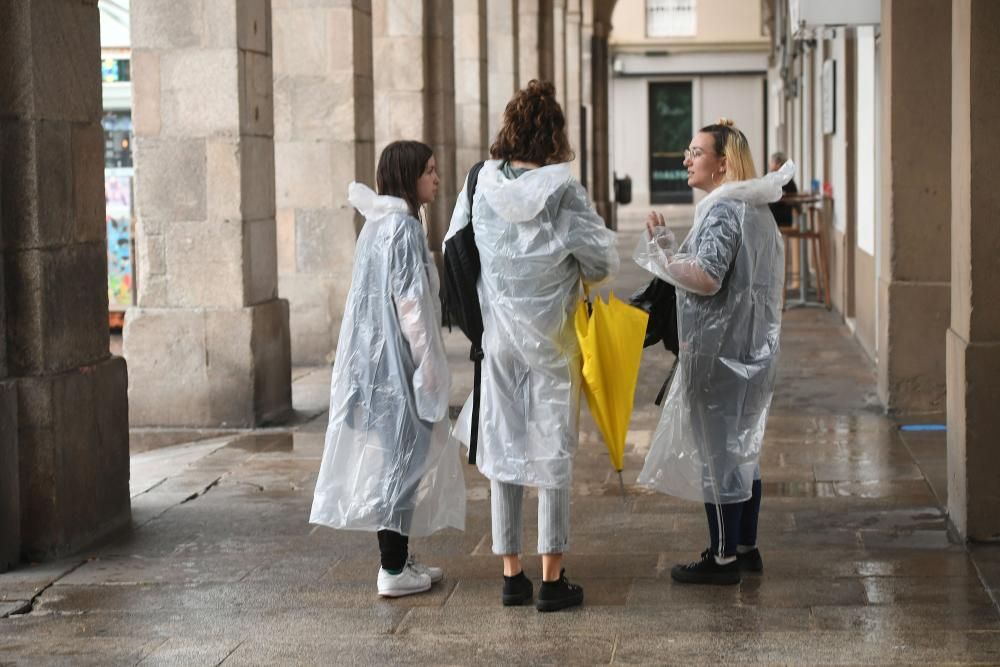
[
  {"x": 502, "y": 64},
  {"x": 415, "y": 90},
  {"x": 559, "y": 50},
  {"x": 586, "y": 152},
  {"x": 10, "y": 500},
  {"x": 471, "y": 87},
  {"x": 528, "y": 41},
  {"x": 72, "y": 420},
  {"x": 600, "y": 189},
  {"x": 914, "y": 290},
  {"x": 208, "y": 344},
  {"x": 973, "y": 359},
  {"x": 324, "y": 138},
  {"x": 574, "y": 81}
]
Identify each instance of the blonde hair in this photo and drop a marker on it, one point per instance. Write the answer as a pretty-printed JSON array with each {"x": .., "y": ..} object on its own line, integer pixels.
[{"x": 731, "y": 144}]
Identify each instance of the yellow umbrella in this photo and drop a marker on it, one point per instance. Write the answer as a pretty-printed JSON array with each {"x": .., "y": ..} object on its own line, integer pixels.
[{"x": 611, "y": 338}]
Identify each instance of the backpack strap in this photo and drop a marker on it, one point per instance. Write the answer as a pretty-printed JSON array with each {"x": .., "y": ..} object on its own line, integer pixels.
[{"x": 476, "y": 353}]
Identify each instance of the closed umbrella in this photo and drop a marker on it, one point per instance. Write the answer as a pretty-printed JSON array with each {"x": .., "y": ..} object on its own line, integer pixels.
[{"x": 611, "y": 338}]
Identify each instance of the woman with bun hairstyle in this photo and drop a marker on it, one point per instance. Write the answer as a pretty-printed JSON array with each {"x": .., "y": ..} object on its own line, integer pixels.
[
  {"x": 389, "y": 465},
  {"x": 728, "y": 274},
  {"x": 538, "y": 238}
]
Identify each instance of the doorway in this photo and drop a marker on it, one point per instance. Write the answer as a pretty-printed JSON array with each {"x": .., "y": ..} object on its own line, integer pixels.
[{"x": 670, "y": 126}]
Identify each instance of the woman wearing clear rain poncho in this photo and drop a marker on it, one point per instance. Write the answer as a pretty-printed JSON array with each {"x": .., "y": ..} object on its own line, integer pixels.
[
  {"x": 538, "y": 237},
  {"x": 729, "y": 275},
  {"x": 389, "y": 464}
]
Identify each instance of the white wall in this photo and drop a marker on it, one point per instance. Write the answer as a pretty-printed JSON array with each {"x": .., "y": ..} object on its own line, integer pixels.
[
  {"x": 838, "y": 144},
  {"x": 629, "y": 118},
  {"x": 740, "y": 99},
  {"x": 866, "y": 142}
]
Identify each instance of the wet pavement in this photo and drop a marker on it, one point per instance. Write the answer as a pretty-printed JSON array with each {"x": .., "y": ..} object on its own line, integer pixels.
[{"x": 221, "y": 566}]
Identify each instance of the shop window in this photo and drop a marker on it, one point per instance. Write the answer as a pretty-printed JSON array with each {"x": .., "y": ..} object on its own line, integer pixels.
[
  {"x": 670, "y": 18},
  {"x": 117, "y": 139},
  {"x": 114, "y": 70}
]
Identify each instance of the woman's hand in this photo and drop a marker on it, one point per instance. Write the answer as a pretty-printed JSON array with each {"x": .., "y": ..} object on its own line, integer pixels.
[
  {"x": 654, "y": 220},
  {"x": 660, "y": 234}
]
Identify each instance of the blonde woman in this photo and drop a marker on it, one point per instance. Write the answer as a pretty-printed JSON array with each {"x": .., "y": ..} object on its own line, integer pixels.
[{"x": 728, "y": 275}]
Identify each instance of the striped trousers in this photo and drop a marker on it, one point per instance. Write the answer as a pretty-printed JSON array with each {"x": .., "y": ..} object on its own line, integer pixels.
[{"x": 506, "y": 505}]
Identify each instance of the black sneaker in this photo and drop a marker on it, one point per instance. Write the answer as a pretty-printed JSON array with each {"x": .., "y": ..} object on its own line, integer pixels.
[
  {"x": 706, "y": 571},
  {"x": 559, "y": 594},
  {"x": 516, "y": 590},
  {"x": 750, "y": 561}
]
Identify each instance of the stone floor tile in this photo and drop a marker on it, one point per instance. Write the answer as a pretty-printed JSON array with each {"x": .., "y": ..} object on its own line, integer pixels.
[
  {"x": 812, "y": 648},
  {"x": 942, "y": 591},
  {"x": 181, "y": 652},
  {"x": 445, "y": 651},
  {"x": 907, "y": 617}
]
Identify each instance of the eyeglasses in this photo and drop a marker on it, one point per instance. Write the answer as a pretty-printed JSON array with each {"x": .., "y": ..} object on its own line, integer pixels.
[{"x": 693, "y": 153}]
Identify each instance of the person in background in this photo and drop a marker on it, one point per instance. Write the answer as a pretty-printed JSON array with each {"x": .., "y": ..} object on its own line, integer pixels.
[
  {"x": 538, "y": 237},
  {"x": 389, "y": 465},
  {"x": 729, "y": 275},
  {"x": 784, "y": 214}
]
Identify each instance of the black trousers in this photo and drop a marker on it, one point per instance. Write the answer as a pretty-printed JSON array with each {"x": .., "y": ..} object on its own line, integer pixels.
[
  {"x": 734, "y": 524},
  {"x": 393, "y": 549}
]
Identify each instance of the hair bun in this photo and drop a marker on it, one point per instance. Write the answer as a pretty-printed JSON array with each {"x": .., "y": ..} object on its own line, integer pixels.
[
  {"x": 725, "y": 122},
  {"x": 541, "y": 88}
]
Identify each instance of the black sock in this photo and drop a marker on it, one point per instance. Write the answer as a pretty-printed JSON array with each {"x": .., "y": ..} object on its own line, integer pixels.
[{"x": 516, "y": 577}]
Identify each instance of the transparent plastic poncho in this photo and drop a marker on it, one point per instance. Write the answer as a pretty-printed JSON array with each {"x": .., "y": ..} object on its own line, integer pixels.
[
  {"x": 389, "y": 462},
  {"x": 538, "y": 237},
  {"x": 729, "y": 274}
]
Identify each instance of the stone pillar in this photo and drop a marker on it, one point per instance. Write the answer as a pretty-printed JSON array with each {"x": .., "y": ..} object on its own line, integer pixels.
[
  {"x": 559, "y": 50},
  {"x": 208, "y": 344},
  {"x": 600, "y": 189},
  {"x": 973, "y": 359},
  {"x": 10, "y": 501},
  {"x": 586, "y": 153},
  {"x": 914, "y": 289},
  {"x": 471, "y": 87},
  {"x": 574, "y": 81},
  {"x": 415, "y": 90},
  {"x": 502, "y": 64},
  {"x": 72, "y": 421},
  {"x": 324, "y": 138},
  {"x": 546, "y": 40},
  {"x": 528, "y": 41}
]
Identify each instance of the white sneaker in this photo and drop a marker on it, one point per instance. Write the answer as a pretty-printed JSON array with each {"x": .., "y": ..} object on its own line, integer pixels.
[
  {"x": 435, "y": 573},
  {"x": 407, "y": 582}
]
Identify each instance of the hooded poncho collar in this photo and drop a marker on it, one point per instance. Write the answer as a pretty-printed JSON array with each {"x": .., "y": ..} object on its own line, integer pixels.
[
  {"x": 755, "y": 191},
  {"x": 523, "y": 198},
  {"x": 373, "y": 206}
]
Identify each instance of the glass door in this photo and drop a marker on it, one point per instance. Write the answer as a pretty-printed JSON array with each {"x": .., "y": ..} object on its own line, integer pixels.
[{"x": 670, "y": 130}]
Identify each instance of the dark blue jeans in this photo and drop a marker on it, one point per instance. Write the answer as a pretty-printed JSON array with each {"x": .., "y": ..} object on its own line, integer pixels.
[{"x": 734, "y": 524}]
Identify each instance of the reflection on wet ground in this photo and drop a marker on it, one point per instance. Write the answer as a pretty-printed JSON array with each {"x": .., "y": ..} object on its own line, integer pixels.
[{"x": 223, "y": 567}]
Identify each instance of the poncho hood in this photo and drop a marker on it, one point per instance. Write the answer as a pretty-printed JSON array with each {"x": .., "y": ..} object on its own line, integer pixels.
[
  {"x": 374, "y": 206},
  {"x": 755, "y": 191},
  {"x": 523, "y": 198}
]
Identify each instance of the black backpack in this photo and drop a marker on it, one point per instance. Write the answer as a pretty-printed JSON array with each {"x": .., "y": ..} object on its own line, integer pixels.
[{"x": 460, "y": 300}]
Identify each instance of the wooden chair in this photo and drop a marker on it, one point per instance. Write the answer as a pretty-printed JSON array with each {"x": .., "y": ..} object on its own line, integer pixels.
[{"x": 816, "y": 244}]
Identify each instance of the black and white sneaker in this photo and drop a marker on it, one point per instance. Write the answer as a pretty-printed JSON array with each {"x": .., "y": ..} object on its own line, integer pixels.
[
  {"x": 559, "y": 594},
  {"x": 706, "y": 571}
]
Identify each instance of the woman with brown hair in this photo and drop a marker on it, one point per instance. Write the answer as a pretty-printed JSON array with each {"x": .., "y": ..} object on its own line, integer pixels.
[
  {"x": 538, "y": 237},
  {"x": 388, "y": 465}
]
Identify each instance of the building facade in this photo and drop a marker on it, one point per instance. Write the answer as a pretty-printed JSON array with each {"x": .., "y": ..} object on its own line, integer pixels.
[{"x": 676, "y": 66}]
